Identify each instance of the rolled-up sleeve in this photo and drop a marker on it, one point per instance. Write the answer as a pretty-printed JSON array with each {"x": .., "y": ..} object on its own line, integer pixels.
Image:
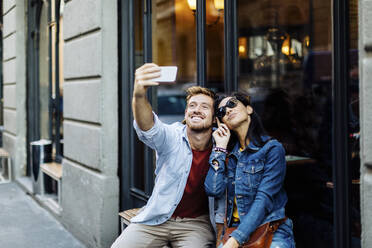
[
  {"x": 215, "y": 182},
  {"x": 158, "y": 137}
]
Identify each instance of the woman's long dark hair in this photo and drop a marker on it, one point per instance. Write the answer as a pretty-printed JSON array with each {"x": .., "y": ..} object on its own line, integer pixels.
[{"x": 255, "y": 130}]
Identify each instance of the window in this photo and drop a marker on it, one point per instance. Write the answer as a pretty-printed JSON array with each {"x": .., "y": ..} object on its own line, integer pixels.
[{"x": 282, "y": 53}]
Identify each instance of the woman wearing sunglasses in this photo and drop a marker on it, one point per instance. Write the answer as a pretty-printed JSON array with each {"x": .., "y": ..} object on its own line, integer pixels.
[{"x": 251, "y": 167}]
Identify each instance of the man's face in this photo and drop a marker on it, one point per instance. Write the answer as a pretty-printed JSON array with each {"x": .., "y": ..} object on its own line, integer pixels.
[{"x": 199, "y": 112}]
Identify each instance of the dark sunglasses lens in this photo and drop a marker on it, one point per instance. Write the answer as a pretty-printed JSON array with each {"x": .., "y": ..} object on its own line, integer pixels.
[
  {"x": 231, "y": 103},
  {"x": 221, "y": 112}
]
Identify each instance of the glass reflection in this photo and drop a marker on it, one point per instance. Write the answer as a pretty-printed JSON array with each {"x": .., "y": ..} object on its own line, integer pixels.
[
  {"x": 174, "y": 43},
  {"x": 285, "y": 63},
  {"x": 214, "y": 36},
  {"x": 44, "y": 74}
]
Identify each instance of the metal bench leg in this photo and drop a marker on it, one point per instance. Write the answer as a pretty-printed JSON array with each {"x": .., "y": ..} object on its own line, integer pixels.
[
  {"x": 59, "y": 192},
  {"x": 10, "y": 169}
]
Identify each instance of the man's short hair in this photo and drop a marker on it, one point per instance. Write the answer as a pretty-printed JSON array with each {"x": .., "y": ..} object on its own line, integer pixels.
[{"x": 196, "y": 90}]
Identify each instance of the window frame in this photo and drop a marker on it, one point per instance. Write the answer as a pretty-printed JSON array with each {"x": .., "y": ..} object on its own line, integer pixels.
[
  {"x": 54, "y": 102},
  {"x": 32, "y": 72}
]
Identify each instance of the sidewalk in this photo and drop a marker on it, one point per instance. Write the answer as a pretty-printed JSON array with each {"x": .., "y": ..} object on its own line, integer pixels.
[{"x": 24, "y": 224}]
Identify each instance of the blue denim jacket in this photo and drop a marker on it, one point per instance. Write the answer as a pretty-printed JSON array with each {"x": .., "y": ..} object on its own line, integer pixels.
[
  {"x": 173, "y": 164},
  {"x": 255, "y": 176}
]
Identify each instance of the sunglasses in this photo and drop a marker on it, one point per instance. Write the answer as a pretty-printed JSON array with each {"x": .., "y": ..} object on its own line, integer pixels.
[{"x": 221, "y": 111}]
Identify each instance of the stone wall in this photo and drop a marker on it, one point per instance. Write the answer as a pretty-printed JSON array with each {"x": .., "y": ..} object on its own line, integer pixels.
[
  {"x": 90, "y": 186},
  {"x": 14, "y": 80},
  {"x": 365, "y": 71}
]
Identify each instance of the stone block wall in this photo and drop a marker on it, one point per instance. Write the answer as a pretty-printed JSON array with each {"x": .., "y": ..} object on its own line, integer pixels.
[
  {"x": 90, "y": 187},
  {"x": 14, "y": 84},
  {"x": 365, "y": 72}
]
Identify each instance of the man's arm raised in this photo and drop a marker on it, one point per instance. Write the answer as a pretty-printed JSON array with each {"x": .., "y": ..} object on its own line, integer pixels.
[{"x": 142, "y": 110}]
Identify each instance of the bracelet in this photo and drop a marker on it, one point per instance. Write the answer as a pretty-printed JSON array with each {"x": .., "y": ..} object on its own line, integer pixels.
[{"x": 220, "y": 149}]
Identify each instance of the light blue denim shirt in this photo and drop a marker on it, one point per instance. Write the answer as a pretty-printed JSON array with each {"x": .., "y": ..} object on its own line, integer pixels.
[{"x": 173, "y": 164}]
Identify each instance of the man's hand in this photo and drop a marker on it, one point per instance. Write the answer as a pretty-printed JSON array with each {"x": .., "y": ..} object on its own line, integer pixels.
[
  {"x": 143, "y": 78},
  {"x": 142, "y": 110},
  {"x": 221, "y": 135},
  {"x": 231, "y": 243}
]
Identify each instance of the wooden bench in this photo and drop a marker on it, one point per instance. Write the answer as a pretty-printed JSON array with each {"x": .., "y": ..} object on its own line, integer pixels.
[
  {"x": 54, "y": 170},
  {"x": 126, "y": 216},
  {"x": 5, "y": 168}
]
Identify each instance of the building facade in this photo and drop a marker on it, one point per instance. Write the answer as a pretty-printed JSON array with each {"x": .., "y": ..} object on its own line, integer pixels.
[{"x": 68, "y": 70}]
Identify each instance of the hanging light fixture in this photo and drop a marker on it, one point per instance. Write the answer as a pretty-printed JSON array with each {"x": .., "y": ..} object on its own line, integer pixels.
[
  {"x": 219, "y": 4},
  {"x": 192, "y": 4}
]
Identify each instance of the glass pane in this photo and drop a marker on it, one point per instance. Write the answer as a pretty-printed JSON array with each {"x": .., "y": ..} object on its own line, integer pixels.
[
  {"x": 285, "y": 63},
  {"x": 354, "y": 128},
  {"x": 44, "y": 74},
  {"x": 215, "y": 44},
  {"x": 174, "y": 43},
  {"x": 138, "y": 167}
]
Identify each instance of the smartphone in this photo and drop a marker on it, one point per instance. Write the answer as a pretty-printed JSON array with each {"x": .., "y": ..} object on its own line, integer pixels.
[{"x": 168, "y": 74}]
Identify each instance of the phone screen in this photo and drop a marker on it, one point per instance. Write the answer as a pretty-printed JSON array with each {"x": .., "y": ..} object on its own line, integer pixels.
[{"x": 168, "y": 74}]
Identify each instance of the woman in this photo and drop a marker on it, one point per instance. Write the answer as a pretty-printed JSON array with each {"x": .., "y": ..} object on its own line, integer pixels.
[{"x": 254, "y": 174}]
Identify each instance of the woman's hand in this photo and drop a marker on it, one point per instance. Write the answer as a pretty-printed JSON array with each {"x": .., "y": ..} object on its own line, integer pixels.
[
  {"x": 231, "y": 243},
  {"x": 221, "y": 135}
]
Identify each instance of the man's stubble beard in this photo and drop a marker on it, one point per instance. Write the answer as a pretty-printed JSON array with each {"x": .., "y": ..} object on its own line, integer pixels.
[{"x": 199, "y": 129}]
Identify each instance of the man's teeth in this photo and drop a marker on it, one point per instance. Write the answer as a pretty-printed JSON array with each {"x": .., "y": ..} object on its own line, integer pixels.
[{"x": 196, "y": 118}]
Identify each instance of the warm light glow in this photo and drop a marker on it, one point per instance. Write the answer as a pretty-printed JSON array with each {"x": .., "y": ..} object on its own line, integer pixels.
[
  {"x": 192, "y": 4},
  {"x": 285, "y": 50},
  {"x": 242, "y": 47},
  {"x": 285, "y": 46},
  {"x": 218, "y": 4},
  {"x": 307, "y": 41}
]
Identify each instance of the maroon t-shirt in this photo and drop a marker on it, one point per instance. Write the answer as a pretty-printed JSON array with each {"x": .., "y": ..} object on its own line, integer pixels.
[{"x": 194, "y": 201}]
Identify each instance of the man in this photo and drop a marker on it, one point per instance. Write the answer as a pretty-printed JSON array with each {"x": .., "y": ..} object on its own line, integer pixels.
[{"x": 177, "y": 211}]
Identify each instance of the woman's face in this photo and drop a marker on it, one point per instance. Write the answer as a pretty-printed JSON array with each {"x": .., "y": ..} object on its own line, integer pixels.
[{"x": 236, "y": 114}]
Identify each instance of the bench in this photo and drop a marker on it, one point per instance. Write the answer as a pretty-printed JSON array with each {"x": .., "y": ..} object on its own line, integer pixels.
[
  {"x": 126, "y": 216},
  {"x": 54, "y": 170},
  {"x": 5, "y": 166}
]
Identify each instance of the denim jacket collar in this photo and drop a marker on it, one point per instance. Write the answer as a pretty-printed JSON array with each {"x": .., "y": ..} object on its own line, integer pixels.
[{"x": 252, "y": 147}]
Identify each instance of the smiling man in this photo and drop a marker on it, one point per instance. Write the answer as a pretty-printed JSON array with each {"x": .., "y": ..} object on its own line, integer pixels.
[{"x": 177, "y": 212}]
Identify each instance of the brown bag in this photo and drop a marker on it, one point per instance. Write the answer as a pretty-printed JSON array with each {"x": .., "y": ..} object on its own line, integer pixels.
[{"x": 260, "y": 238}]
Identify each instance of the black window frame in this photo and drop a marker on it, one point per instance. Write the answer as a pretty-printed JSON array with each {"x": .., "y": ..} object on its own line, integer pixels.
[
  {"x": 32, "y": 73},
  {"x": 55, "y": 102},
  {"x": 340, "y": 81}
]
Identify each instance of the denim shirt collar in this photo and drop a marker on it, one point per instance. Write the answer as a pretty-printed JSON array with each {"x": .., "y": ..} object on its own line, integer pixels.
[{"x": 185, "y": 137}]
